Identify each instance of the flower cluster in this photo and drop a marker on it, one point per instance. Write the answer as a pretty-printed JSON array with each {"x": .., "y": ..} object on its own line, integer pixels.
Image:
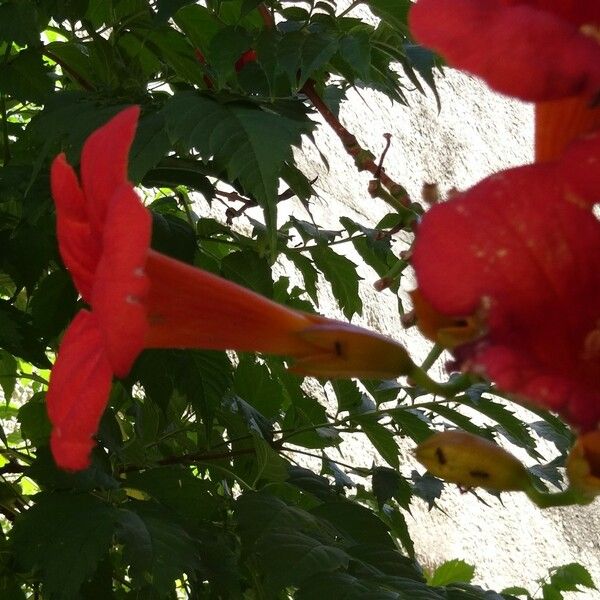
[{"x": 508, "y": 271}]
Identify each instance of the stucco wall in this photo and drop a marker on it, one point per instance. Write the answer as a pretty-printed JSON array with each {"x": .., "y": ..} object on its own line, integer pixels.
[{"x": 475, "y": 134}]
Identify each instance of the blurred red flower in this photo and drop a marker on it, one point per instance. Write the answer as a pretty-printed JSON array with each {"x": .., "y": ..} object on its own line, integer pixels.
[
  {"x": 545, "y": 51},
  {"x": 140, "y": 299},
  {"x": 508, "y": 276}
]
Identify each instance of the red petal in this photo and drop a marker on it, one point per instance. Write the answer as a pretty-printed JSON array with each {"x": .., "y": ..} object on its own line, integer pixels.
[
  {"x": 520, "y": 372},
  {"x": 580, "y": 169},
  {"x": 78, "y": 392},
  {"x": 517, "y": 246},
  {"x": 519, "y": 50},
  {"x": 120, "y": 285},
  {"x": 79, "y": 249},
  {"x": 104, "y": 161},
  {"x": 577, "y": 12}
]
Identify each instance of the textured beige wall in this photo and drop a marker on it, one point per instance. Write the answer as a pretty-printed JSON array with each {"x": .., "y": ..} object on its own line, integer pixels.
[{"x": 475, "y": 134}]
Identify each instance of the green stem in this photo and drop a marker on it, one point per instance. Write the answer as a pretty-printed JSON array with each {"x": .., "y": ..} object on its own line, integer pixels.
[
  {"x": 446, "y": 390},
  {"x": 361, "y": 470},
  {"x": 433, "y": 355},
  {"x": 333, "y": 243},
  {"x": 568, "y": 497}
]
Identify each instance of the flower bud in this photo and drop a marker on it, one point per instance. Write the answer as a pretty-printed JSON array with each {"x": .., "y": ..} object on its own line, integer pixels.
[
  {"x": 470, "y": 461},
  {"x": 583, "y": 464}
]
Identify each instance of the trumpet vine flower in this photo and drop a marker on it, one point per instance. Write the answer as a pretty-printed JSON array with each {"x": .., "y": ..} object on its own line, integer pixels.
[
  {"x": 508, "y": 276},
  {"x": 545, "y": 51},
  {"x": 139, "y": 298}
]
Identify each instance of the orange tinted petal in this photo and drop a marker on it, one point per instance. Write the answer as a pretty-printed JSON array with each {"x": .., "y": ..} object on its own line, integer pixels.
[{"x": 559, "y": 122}]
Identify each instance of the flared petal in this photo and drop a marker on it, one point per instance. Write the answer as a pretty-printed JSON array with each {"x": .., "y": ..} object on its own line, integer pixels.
[
  {"x": 78, "y": 391},
  {"x": 121, "y": 284},
  {"x": 522, "y": 251},
  {"x": 522, "y": 49},
  {"x": 79, "y": 248},
  {"x": 104, "y": 161}
]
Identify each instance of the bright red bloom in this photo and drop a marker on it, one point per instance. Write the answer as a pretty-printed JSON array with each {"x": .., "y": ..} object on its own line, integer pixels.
[
  {"x": 508, "y": 274},
  {"x": 140, "y": 298},
  {"x": 538, "y": 50}
]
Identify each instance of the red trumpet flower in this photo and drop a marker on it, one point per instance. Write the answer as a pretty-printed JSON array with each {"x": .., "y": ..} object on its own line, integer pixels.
[
  {"x": 508, "y": 276},
  {"x": 142, "y": 299},
  {"x": 545, "y": 51}
]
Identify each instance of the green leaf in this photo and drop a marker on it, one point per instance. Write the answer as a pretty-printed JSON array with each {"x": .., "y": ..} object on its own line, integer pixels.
[
  {"x": 357, "y": 524},
  {"x": 8, "y": 374},
  {"x": 173, "y": 236},
  {"x": 64, "y": 536},
  {"x": 388, "y": 483},
  {"x": 308, "y": 271},
  {"x": 19, "y": 337},
  {"x": 249, "y": 270},
  {"x": 452, "y": 571},
  {"x": 19, "y": 22},
  {"x": 25, "y": 77},
  {"x": 516, "y": 591},
  {"x": 399, "y": 528},
  {"x": 551, "y": 593},
  {"x": 427, "y": 487},
  {"x": 341, "y": 274},
  {"x": 568, "y": 578},
  {"x": 386, "y": 560},
  {"x": 225, "y": 48},
  {"x": 460, "y": 420},
  {"x": 512, "y": 427},
  {"x": 341, "y": 586},
  {"x": 373, "y": 249},
  {"x": 349, "y": 397},
  {"x": 412, "y": 422},
  {"x": 167, "y": 8},
  {"x": 382, "y": 439},
  {"x": 258, "y": 386},
  {"x": 156, "y": 546},
  {"x": 270, "y": 466},
  {"x": 392, "y": 12},
  {"x": 289, "y": 558},
  {"x": 198, "y": 23},
  {"x": 173, "y": 172},
  {"x": 150, "y": 145},
  {"x": 33, "y": 417},
  {"x": 54, "y": 304},
  {"x": 176, "y": 488}
]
